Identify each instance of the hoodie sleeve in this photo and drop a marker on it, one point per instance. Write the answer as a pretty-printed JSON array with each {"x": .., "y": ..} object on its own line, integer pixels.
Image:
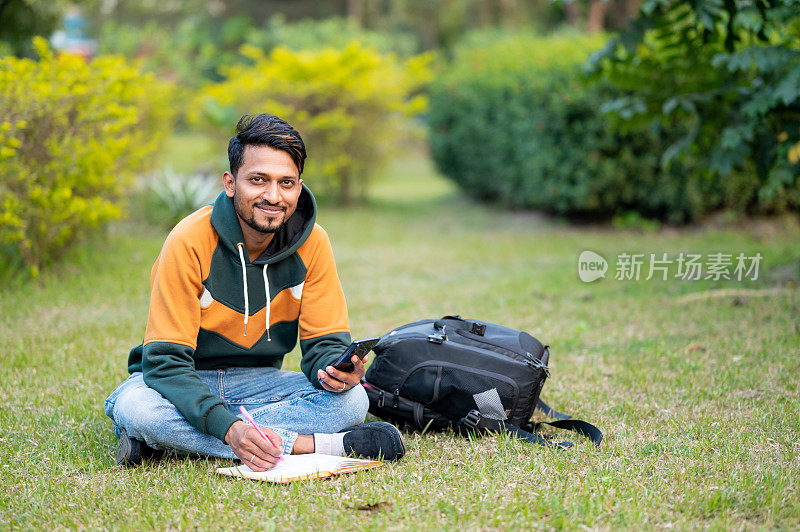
[
  {"x": 323, "y": 324},
  {"x": 171, "y": 338}
]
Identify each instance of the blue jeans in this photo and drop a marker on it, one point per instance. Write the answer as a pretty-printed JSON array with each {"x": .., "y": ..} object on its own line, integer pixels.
[{"x": 282, "y": 400}]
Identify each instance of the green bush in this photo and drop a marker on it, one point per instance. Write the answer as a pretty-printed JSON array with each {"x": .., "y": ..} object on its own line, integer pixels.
[
  {"x": 191, "y": 52},
  {"x": 71, "y": 136},
  {"x": 729, "y": 70},
  {"x": 514, "y": 120},
  {"x": 197, "y": 49},
  {"x": 313, "y": 34},
  {"x": 168, "y": 197},
  {"x": 351, "y": 106}
]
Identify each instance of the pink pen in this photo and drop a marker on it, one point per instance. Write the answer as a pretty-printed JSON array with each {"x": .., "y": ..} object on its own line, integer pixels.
[{"x": 252, "y": 421}]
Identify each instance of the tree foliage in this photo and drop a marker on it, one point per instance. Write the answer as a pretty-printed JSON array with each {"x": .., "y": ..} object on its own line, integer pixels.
[
  {"x": 190, "y": 52},
  {"x": 20, "y": 20},
  {"x": 336, "y": 32},
  {"x": 432, "y": 24},
  {"x": 349, "y": 105},
  {"x": 730, "y": 70},
  {"x": 513, "y": 120},
  {"x": 196, "y": 49},
  {"x": 71, "y": 135}
]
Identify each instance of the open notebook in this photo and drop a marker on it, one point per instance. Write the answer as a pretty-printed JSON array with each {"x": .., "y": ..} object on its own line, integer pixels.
[{"x": 301, "y": 467}]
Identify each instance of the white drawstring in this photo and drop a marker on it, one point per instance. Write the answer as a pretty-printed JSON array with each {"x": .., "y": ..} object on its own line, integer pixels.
[
  {"x": 266, "y": 290},
  {"x": 240, "y": 246}
]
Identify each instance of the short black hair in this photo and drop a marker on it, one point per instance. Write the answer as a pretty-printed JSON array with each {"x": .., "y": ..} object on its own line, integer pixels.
[{"x": 265, "y": 130}]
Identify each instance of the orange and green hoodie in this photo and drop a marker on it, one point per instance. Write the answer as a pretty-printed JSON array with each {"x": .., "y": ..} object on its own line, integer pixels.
[{"x": 212, "y": 308}]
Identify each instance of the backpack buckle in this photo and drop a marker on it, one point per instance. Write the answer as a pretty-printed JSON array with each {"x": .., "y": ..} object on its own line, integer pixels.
[
  {"x": 478, "y": 328},
  {"x": 436, "y": 338},
  {"x": 471, "y": 420},
  {"x": 381, "y": 397}
]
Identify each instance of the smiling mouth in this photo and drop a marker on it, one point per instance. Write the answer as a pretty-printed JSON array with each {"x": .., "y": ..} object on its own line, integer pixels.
[{"x": 270, "y": 210}]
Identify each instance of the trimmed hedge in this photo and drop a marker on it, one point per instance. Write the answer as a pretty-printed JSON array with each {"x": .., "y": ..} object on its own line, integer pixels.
[{"x": 514, "y": 120}]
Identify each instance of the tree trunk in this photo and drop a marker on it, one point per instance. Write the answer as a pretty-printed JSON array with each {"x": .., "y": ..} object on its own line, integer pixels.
[
  {"x": 484, "y": 13},
  {"x": 621, "y": 13},
  {"x": 597, "y": 15},
  {"x": 572, "y": 10},
  {"x": 509, "y": 13},
  {"x": 355, "y": 11}
]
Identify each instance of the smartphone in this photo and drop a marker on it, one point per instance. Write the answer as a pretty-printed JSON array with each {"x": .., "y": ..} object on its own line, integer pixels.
[{"x": 359, "y": 347}]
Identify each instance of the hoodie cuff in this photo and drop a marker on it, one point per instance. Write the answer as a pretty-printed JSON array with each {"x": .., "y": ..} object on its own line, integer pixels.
[
  {"x": 218, "y": 422},
  {"x": 321, "y": 365},
  {"x": 320, "y": 352}
]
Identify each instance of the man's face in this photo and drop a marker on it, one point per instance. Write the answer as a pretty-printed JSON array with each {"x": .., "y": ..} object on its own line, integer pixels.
[{"x": 265, "y": 189}]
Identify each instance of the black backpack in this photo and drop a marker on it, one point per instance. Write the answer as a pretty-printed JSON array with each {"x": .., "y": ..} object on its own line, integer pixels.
[{"x": 468, "y": 375}]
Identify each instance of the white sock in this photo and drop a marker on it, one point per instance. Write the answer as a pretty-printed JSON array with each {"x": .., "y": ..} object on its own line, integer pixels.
[{"x": 332, "y": 444}]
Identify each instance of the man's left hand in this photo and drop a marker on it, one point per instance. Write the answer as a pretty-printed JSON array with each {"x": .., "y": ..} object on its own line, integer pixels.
[{"x": 337, "y": 381}]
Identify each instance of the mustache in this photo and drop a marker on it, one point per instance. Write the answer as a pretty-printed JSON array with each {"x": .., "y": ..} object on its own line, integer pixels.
[{"x": 268, "y": 204}]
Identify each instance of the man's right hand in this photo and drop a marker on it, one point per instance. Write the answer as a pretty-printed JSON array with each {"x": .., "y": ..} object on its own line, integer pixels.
[{"x": 255, "y": 452}]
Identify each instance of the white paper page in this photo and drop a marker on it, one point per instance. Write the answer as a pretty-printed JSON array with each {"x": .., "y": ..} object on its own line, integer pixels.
[{"x": 293, "y": 465}]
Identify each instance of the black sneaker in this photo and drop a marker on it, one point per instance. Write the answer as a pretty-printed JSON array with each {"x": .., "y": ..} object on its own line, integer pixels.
[
  {"x": 375, "y": 440},
  {"x": 132, "y": 452}
]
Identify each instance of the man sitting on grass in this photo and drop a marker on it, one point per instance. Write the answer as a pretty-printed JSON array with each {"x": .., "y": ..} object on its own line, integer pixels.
[{"x": 234, "y": 285}]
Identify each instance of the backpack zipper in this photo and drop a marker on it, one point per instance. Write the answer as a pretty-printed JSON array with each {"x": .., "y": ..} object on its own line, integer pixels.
[{"x": 529, "y": 358}]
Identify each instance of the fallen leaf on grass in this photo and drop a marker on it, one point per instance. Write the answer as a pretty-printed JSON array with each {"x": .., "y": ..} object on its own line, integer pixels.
[
  {"x": 372, "y": 507},
  {"x": 691, "y": 348}
]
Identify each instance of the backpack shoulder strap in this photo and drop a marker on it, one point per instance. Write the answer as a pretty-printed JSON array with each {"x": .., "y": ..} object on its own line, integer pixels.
[
  {"x": 576, "y": 425},
  {"x": 474, "y": 421},
  {"x": 549, "y": 411}
]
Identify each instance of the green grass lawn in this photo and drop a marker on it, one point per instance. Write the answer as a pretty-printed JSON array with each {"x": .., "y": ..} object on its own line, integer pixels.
[{"x": 697, "y": 395}]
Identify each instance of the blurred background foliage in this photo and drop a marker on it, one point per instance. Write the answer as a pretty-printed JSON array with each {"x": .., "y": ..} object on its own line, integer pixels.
[
  {"x": 602, "y": 109},
  {"x": 171, "y": 195},
  {"x": 72, "y": 136},
  {"x": 730, "y": 73},
  {"x": 350, "y": 105},
  {"x": 518, "y": 107},
  {"x": 20, "y": 20},
  {"x": 196, "y": 50}
]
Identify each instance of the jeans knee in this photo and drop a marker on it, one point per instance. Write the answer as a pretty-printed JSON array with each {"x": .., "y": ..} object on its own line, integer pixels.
[
  {"x": 137, "y": 410},
  {"x": 357, "y": 405}
]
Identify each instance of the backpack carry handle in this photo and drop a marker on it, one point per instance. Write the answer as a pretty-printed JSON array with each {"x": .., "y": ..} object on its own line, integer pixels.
[
  {"x": 441, "y": 322},
  {"x": 475, "y": 327}
]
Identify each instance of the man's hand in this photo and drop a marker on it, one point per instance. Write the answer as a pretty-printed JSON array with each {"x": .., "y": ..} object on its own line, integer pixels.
[
  {"x": 255, "y": 452},
  {"x": 337, "y": 381}
]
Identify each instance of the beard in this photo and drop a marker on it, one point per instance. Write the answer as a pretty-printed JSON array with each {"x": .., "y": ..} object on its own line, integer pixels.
[{"x": 248, "y": 215}]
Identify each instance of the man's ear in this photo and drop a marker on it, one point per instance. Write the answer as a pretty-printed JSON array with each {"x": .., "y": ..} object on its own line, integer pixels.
[{"x": 229, "y": 182}]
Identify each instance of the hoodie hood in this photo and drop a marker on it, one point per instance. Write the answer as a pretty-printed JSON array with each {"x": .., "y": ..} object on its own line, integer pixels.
[{"x": 286, "y": 240}]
